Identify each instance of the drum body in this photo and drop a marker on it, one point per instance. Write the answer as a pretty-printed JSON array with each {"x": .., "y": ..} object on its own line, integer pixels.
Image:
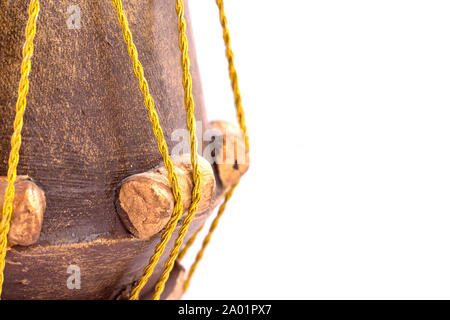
[{"x": 85, "y": 130}]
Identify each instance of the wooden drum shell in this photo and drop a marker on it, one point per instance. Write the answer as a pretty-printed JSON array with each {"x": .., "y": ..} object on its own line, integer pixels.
[{"x": 85, "y": 130}]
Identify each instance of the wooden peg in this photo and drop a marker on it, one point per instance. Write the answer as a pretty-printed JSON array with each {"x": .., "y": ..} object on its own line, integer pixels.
[
  {"x": 231, "y": 155},
  {"x": 145, "y": 202},
  {"x": 28, "y": 211}
]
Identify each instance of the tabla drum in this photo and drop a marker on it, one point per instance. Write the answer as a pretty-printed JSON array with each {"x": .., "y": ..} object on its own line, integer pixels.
[{"x": 92, "y": 197}]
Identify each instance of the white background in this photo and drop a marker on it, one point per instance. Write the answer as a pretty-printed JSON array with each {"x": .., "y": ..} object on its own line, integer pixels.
[{"x": 348, "y": 109}]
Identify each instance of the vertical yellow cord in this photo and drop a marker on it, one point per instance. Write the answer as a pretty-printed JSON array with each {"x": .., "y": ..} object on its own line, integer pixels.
[
  {"x": 16, "y": 138},
  {"x": 207, "y": 238},
  {"x": 232, "y": 72},
  {"x": 190, "y": 121},
  {"x": 158, "y": 132},
  {"x": 189, "y": 243},
  {"x": 241, "y": 119}
]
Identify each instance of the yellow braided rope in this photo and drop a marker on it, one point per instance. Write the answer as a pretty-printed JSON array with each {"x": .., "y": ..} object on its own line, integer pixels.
[
  {"x": 189, "y": 243},
  {"x": 207, "y": 238},
  {"x": 232, "y": 72},
  {"x": 16, "y": 138},
  {"x": 158, "y": 132},
  {"x": 190, "y": 121},
  {"x": 241, "y": 119}
]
